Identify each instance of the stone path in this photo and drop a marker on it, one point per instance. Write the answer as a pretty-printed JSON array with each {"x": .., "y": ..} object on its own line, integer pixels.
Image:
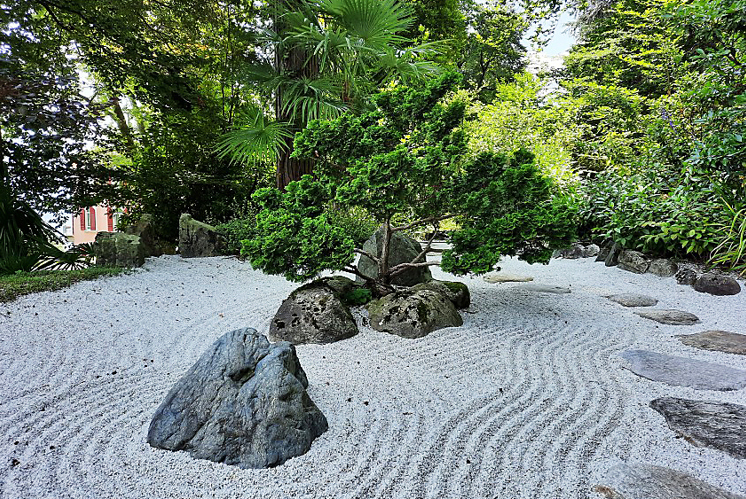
[
  {"x": 644, "y": 481},
  {"x": 545, "y": 288},
  {"x": 498, "y": 277},
  {"x": 718, "y": 341},
  {"x": 671, "y": 317},
  {"x": 706, "y": 424},
  {"x": 683, "y": 371},
  {"x": 633, "y": 300}
]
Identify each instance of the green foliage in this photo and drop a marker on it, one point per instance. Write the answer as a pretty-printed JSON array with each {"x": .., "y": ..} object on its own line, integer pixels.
[
  {"x": 355, "y": 221},
  {"x": 357, "y": 297},
  {"x": 22, "y": 283},
  {"x": 405, "y": 159},
  {"x": 731, "y": 250},
  {"x": 235, "y": 231}
]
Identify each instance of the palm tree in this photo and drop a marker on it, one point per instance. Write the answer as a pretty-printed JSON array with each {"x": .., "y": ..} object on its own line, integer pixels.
[{"x": 328, "y": 57}]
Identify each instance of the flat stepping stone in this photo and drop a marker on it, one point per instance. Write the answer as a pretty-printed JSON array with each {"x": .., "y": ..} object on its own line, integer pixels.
[
  {"x": 717, "y": 341},
  {"x": 497, "y": 277},
  {"x": 706, "y": 424},
  {"x": 544, "y": 288},
  {"x": 644, "y": 481},
  {"x": 633, "y": 300},
  {"x": 682, "y": 371},
  {"x": 673, "y": 317}
]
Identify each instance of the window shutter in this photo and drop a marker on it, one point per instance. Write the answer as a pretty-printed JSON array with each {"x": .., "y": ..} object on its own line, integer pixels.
[
  {"x": 82, "y": 219},
  {"x": 93, "y": 218},
  {"x": 110, "y": 219}
]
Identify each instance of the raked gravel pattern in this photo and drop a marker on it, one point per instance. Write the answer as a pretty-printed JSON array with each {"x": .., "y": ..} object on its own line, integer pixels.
[{"x": 529, "y": 399}]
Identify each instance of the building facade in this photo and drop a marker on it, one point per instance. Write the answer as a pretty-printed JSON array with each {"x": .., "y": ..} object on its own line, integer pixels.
[{"x": 90, "y": 221}]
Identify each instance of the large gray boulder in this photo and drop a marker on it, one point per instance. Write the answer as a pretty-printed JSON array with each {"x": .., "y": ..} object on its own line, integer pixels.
[
  {"x": 717, "y": 425},
  {"x": 117, "y": 249},
  {"x": 413, "y": 314},
  {"x": 716, "y": 284},
  {"x": 315, "y": 313},
  {"x": 645, "y": 481},
  {"x": 403, "y": 249},
  {"x": 198, "y": 239},
  {"x": 243, "y": 403},
  {"x": 633, "y": 261},
  {"x": 457, "y": 292}
]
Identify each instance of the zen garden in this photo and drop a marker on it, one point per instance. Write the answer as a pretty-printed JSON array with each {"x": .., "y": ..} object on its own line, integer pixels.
[{"x": 373, "y": 249}]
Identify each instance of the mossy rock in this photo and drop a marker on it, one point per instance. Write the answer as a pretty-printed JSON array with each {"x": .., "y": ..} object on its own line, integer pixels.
[
  {"x": 413, "y": 313},
  {"x": 457, "y": 292}
]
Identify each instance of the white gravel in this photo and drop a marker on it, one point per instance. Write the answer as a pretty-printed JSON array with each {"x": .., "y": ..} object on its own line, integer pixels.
[{"x": 529, "y": 399}]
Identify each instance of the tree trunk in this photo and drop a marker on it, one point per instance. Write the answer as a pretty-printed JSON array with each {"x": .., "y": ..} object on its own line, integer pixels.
[{"x": 294, "y": 63}]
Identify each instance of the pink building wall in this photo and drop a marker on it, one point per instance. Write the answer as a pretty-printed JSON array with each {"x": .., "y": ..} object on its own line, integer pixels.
[{"x": 90, "y": 221}]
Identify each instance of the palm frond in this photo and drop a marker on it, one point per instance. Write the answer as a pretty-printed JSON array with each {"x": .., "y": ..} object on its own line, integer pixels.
[
  {"x": 314, "y": 98},
  {"x": 259, "y": 140},
  {"x": 376, "y": 22}
]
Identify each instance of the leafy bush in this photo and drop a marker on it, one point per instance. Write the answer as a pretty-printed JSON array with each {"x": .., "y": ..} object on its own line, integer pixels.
[
  {"x": 731, "y": 250},
  {"x": 235, "y": 231},
  {"x": 406, "y": 158},
  {"x": 355, "y": 221}
]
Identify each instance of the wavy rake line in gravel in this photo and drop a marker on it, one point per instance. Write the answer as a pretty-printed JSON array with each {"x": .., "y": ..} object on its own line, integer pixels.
[
  {"x": 501, "y": 419},
  {"x": 443, "y": 440}
]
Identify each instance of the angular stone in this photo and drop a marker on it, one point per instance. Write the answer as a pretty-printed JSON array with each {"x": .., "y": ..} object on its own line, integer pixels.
[
  {"x": 402, "y": 249},
  {"x": 243, "y": 403},
  {"x": 117, "y": 249},
  {"x": 152, "y": 243},
  {"x": 682, "y": 371},
  {"x": 706, "y": 424},
  {"x": 315, "y": 313},
  {"x": 672, "y": 317},
  {"x": 591, "y": 250},
  {"x": 663, "y": 267},
  {"x": 686, "y": 276},
  {"x": 633, "y": 261},
  {"x": 198, "y": 239},
  {"x": 716, "y": 284},
  {"x": 498, "y": 277},
  {"x": 717, "y": 341},
  {"x": 633, "y": 300},
  {"x": 613, "y": 257},
  {"x": 545, "y": 288},
  {"x": 413, "y": 314},
  {"x": 603, "y": 253},
  {"x": 457, "y": 292},
  {"x": 644, "y": 481}
]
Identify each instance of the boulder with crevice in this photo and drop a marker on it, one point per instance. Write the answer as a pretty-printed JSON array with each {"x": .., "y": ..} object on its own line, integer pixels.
[
  {"x": 716, "y": 284},
  {"x": 315, "y": 313},
  {"x": 413, "y": 313},
  {"x": 243, "y": 403},
  {"x": 663, "y": 267},
  {"x": 117, "y": 249},
  {"x": 633, "y": 261}
]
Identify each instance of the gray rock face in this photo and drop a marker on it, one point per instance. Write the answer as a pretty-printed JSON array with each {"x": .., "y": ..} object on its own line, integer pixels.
[
  {"x": 413, "y": 314},
  {"x": 644, "y": 481},
  {"x": 574, "y": 252},
  {"x": 715, "y": 284},
  {"x": 706, "y": 424},
  {"x": 545, "y": 288},
  {"x": 197, "y": 239},
  {"x": 718, "y": 341},
  {"x": 603, "y": 253},
  {"x": 314, "y": 313},
  {"x": 613, "y": 257},
  {"x": 243, "y": 403},
  {"x": 663, "y": 267},
  {"x": 591, "y": 250},
  {"x": 682, "y": 371},
  {"x": 633, "y": 261},
  {"x": 633, "y": 300},
  {"x": 457, "y": 292},
  {"x": 672, "y": 317},
  {"x": 117, "y": 249},
  {"x": 686, "y": 276},
  {"x": 403, "y": 249}
]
